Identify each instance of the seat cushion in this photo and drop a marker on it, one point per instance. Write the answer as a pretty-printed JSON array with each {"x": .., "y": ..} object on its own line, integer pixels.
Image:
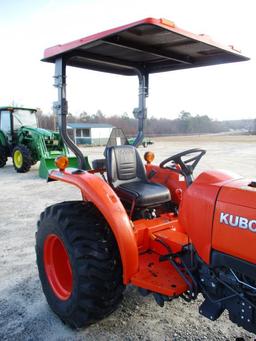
[{"x": 144, "y": 193}]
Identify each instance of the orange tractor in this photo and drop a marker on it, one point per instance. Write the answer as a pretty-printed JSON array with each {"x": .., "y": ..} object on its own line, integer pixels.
[{"x": 152, "y": 226}]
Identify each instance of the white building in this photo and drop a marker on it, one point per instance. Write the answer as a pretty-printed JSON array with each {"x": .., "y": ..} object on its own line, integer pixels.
[{"x": 89, "y": 133}]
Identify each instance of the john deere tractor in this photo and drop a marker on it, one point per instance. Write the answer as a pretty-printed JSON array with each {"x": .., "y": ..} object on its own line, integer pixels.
[{"x": 21, "y": 139}]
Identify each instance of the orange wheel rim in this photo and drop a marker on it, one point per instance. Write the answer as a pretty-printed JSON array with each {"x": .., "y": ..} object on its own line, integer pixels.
[{"x": 57, "y": 267}]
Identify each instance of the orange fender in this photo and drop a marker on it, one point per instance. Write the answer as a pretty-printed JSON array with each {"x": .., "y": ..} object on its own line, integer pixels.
[{"x": 97, "y": 191}]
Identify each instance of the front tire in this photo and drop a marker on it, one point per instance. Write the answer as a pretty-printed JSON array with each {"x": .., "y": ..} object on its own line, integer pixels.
[
  {"x": 21, "y": 158},
  {"x": 3, "y": 156},
  {"x": 79, "y": 263}
]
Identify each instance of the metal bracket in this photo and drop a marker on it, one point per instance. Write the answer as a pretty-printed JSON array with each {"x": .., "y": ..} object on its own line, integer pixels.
[{"x": 140, "y": 114}]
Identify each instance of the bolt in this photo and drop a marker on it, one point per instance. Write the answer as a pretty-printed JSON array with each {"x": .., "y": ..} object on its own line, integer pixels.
[
  {"x": 248, "y": 320},
  {"x": 211, "y": 317},
  {"x": 250, "y": 307},
  {"x": 242, "y": 310},
  {"x": 242, "y": 317},
  {"x": 213, "y": 285},
  {"x": 243, "y": 303}
]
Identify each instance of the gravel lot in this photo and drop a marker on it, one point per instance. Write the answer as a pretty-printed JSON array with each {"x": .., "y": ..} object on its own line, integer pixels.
[{"x": 24, "y": 313}]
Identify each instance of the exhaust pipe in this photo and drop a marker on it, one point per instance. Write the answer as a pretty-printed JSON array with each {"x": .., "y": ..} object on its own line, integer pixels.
[
  {"x": 61, "y": 108},
  {"x": 140, "y": 113}
]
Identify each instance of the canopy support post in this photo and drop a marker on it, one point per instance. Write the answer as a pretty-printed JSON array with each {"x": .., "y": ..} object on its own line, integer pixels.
[
  {"x": 140, "y": 113},
  {"x": 61, "y": 109}
]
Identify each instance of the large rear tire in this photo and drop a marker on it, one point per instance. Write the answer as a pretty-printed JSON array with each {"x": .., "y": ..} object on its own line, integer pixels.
[
  {"x": 79, "y": 263},
  {"x": 21, "y": 158},
  {"x": 3, "y": 156}
]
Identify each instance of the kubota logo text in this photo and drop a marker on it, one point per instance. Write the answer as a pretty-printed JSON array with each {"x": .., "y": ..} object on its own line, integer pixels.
[{"x": 236, "y": 221}]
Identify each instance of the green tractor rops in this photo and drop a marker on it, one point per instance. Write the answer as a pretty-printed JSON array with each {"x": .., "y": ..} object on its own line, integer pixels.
[{"x": 21, "y": 139}]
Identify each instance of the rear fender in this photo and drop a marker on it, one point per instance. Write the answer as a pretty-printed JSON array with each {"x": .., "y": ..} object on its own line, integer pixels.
[{"x": 97, "y": 191}]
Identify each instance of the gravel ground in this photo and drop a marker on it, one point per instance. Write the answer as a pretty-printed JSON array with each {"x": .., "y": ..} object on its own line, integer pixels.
[{"x": 24, "y": 313}]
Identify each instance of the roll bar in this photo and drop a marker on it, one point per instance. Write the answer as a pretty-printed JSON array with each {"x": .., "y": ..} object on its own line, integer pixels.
[{"x": 61, "y": 107}]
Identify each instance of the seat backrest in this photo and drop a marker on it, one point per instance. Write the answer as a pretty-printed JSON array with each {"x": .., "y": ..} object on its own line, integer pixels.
[{"x": 124, "y": 164}]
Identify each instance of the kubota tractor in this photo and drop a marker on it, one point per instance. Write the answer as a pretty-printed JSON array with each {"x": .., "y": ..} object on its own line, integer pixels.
[
  {"x": 21, "y": 139},
  {"x": 152, "y": 226}
]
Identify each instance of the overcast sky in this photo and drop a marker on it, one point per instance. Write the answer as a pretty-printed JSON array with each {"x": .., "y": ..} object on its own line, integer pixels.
[{"x": 27, "y": 27}]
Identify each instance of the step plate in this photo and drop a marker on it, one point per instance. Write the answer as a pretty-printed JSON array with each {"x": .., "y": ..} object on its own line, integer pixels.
[{"x": 160, "y": 277}]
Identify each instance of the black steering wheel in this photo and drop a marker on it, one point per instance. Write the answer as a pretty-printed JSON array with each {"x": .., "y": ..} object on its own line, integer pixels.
[{"x": 187, "y": 166}]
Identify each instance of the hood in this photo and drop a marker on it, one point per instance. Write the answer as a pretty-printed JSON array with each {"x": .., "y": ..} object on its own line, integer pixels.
[{"x": 42, "y": 132}]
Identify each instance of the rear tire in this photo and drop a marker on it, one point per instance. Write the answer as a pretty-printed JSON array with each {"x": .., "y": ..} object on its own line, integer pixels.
[
  {"x": 21, "y": 158},
  {"x": 3, "y": 156},
  {"x": 88, "y": 267}
]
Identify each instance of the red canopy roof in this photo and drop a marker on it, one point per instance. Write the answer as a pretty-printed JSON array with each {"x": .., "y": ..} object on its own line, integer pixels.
[{"x": 154, "y": 45}]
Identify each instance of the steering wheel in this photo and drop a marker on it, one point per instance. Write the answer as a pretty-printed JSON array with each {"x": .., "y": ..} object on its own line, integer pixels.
[{"x": 187, "y": 166}]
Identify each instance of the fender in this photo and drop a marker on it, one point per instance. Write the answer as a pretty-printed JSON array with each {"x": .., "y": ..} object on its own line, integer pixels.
[{"x": 97, "y": 191}]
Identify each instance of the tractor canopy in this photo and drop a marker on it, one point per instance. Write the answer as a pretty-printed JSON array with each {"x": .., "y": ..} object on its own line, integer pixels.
[
  {"x": 152, "y": 45},
  {"x": 140, "y": 48}
]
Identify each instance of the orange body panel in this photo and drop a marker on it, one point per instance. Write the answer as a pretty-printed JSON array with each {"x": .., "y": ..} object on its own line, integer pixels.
[
  {"x": 168, "y": 178},
  {"x": 97, "y": 191},
  {"x": 175, "y": 240},
  {"x": 197, "y": 209},
  {"x": 166, "y": 228},
  {"x": 234, "y": 227}
]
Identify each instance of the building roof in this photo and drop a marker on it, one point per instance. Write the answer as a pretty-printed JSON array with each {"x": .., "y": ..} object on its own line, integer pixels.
[
  {"x": 153, "y": 45},
  {"x": 88, "y": 125},
  {"x": 10, "y": 108}
]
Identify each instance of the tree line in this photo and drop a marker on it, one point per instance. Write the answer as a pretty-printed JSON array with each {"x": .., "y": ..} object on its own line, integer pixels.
[{"x": 185, "y": 123}]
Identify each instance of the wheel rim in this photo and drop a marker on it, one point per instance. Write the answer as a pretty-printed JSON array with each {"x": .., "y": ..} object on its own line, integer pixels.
[
  {"x": 57, "y": 267},
  {"x": 18, "y": 158}
]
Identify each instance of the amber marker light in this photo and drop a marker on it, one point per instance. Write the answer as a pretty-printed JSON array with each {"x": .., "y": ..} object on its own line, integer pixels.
[
  {"x": 149, "y": 157},
  {"x": 61, "y": 162},
  {"x": 167, "y": 22}
]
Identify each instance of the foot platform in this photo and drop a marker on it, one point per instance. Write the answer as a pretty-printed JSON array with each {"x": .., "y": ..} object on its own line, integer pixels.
[{"x": 159, "y": 277}]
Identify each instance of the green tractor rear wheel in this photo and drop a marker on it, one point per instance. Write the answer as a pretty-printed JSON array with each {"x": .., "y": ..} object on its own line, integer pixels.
[
  {"x": 21, "y": 158},
  {"x": 79, "y": 263},
  {"x": 3, "y": 156}
]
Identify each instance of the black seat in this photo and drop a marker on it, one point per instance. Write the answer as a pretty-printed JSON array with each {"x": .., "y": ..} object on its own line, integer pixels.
[{"x": 126, "y": 174}]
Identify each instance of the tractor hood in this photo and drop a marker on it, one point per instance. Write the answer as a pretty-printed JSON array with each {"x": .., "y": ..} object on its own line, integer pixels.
[{"x": 49, "y": 134}]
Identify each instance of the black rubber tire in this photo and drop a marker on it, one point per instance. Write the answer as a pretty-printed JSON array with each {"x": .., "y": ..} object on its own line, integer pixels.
[
  {"x": 3, "y": 156},
  {"x": 94, "y": 259},
  {"x": 27, "y": 159}
]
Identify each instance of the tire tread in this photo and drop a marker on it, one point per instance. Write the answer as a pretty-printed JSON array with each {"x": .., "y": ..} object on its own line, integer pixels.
[{"x": 96, "y": 256}]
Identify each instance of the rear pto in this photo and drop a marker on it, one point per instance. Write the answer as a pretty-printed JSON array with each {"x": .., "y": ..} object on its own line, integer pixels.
[
  {"x": 21, "y": 139},
  {"x": 151, "y": 226}
]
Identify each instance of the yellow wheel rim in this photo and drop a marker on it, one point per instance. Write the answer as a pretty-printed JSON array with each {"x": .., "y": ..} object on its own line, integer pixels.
[{"x": 18, "y": 158}]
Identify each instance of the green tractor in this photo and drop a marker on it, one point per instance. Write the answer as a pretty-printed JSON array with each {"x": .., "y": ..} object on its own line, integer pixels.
[
  {"x": 21, "y": 139},
  {"x": 145, "y": 142}
]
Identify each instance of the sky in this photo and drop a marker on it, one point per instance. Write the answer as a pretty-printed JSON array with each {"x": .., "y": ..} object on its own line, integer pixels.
[{"x": 27, "y": 27}]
